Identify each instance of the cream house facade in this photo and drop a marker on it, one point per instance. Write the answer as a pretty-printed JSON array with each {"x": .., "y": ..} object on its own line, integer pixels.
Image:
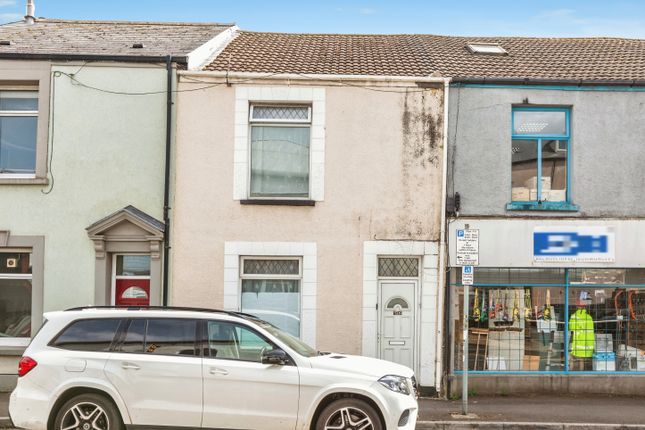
[{"x": 314, "y": 200}]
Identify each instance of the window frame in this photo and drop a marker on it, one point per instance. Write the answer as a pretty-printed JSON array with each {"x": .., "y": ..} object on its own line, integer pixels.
[
  {"x": 540, "y": 204},
  {"x": 299, "y": 277},
  {"x": 21, "y": 75},
  {"x": 282, "y": 123},
  {"x": 22, "y": 276},
  {"x": 23, "y": 114}
]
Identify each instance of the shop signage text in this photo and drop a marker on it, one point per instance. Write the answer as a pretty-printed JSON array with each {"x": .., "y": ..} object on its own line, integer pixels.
[
  {"x": 467, "y": 275},
  {"x": 468, "y": 247},
  {"x": 574, "y": 244}
]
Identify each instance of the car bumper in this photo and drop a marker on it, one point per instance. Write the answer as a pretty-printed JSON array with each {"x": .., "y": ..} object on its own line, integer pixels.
[
  {"x": 396, "y": 407},
  {"x": 28, "y": 407}
]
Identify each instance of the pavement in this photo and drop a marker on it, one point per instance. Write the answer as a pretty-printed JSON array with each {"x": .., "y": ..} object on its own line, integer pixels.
[{"x": 539, "y": 412}]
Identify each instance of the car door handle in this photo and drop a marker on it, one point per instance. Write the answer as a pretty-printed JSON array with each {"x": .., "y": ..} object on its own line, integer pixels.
[
  {"x": 126, "y": 365},
  {"x": 218, "y": 371}
]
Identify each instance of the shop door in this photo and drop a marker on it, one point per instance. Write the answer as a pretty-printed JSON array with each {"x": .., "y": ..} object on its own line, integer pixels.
[
  {"x": 132, "y": 280},
  {"x": 397, "y": 317}
]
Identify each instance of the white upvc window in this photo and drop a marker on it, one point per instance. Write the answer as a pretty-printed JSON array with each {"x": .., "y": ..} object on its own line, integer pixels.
[
  {"x": 280, "y": 138},
  {"x": 271, "y": 288},
  {"x": 18, "y": 133},
  {"x": 279, "y": 151}
]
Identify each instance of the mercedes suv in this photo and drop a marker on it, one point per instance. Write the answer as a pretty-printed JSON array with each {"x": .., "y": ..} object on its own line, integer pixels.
[{"x": 108, "y": 368}]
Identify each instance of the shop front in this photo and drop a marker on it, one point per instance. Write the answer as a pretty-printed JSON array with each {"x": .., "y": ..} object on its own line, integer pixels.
[{"x": 555, "y": 306}]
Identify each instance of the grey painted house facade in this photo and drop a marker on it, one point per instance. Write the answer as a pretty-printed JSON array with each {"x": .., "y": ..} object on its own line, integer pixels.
[{"x": 548, "y": 174}]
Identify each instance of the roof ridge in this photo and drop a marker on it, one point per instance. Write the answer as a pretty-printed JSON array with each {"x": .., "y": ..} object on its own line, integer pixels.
[
  {"x": 169, "y": 23},
  {"x": 445, "y": 36}
]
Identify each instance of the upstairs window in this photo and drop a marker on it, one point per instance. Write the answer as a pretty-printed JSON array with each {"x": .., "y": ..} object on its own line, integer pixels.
[
  {"x": 540, "y": 155},
  {"x": 18, "y": 131},
  {"x": 280, "y": 140}
]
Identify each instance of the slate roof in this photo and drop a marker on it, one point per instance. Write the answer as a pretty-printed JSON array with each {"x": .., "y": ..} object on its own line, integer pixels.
[
  {"x": 50, "y": 37},
  {"x": 596, "y": 59}
]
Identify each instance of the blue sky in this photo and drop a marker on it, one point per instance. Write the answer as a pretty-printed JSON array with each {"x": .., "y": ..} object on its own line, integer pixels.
[{"x": 624, "y": 18}]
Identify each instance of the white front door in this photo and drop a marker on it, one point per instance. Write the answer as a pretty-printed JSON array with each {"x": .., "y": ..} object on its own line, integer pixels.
[{"x": 397, "y": 321}]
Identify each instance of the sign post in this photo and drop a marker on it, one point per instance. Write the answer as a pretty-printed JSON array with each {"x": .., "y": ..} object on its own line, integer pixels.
[
  {"x": 467, "y": 257},
  {"x": 467, "y": 279}
]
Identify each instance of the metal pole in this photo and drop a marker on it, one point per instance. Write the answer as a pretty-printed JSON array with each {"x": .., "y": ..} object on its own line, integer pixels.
[{"x": 464, "y": 366}]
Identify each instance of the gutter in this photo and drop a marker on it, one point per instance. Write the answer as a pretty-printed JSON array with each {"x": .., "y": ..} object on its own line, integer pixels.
[
  {"x": 309, "y": 77},
  {"x": 92, "y": 57},
  {"x": 540, "y": 81},
  {"x": 441, "y": 296},
  {"x": 166, "y": 192}
]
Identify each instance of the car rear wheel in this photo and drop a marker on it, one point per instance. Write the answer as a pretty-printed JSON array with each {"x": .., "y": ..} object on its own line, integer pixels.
[
  {"x": 349, "y": 414},
  {"x": 88, "y": 412}
]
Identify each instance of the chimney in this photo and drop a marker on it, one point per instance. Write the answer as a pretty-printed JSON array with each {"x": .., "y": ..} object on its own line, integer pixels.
[{"x": 30, "y": 16}]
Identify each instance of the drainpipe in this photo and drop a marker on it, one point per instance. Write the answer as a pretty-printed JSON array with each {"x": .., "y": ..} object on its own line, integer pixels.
[
  {"x": 441, "y": 296},
  {"x": 166, "y": 191}
]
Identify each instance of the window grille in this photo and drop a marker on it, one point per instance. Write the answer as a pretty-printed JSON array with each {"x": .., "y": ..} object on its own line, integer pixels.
[
  {"x": 398, "y": 267},
  {"x": 271, "y": 267}
]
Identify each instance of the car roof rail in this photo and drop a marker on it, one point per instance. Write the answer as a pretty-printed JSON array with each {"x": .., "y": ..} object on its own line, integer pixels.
[{"x": 164, "y": 308}]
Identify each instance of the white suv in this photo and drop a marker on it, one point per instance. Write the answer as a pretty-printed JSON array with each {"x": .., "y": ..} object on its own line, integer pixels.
[{"x": 104, "y": 369}]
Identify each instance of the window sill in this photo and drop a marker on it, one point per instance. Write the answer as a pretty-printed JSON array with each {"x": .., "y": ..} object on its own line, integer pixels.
[
  {"x": 542, "y": 206},
  {"x": 23, "y": 181},
  {"x": 278, "y": 202}
]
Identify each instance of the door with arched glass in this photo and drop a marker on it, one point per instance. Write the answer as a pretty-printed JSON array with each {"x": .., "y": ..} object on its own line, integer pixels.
[{"x": 131, "y": 280}]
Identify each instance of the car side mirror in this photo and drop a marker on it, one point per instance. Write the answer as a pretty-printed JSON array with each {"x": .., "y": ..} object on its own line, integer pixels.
[{"x": 275, "y": 356}]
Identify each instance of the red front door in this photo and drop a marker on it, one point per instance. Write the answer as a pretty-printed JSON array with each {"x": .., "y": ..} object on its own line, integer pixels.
[{"x": 132, "y": 292}]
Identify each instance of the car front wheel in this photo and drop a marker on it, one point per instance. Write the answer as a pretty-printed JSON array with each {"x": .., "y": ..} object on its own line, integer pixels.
[
  {"x": 346, "y": 414},
  {"x": 88, "y": 412}
]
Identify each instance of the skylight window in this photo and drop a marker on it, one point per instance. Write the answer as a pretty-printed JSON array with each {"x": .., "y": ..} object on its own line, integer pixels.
[{"x": 486, "y": 48}]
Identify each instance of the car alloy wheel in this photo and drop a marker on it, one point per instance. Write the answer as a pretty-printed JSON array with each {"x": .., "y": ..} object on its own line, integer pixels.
[
  {"x": 349, "y": 418},
  {"x": 349, "y": 413},
  {"x": 85, "y": 416},
  {"x": 88, "y": 411}
]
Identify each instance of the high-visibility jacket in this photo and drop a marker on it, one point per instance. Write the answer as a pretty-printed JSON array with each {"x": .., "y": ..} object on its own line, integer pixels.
[{"x": 583, "y": 340}]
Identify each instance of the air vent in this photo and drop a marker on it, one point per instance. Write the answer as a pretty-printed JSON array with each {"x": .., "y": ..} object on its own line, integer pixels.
[
  {"x": 138, "y": 45},
  {"x": 486, "y": 48},
  {"x": 6, "y": 42},
  {"x": 337, "y": 357}
]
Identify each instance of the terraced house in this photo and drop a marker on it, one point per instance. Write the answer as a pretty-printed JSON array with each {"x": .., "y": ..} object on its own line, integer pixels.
[
  {"x": 309, "y": 191},
  {"x": 85, "y": 111},
  {"x": 546, "y": 169}
]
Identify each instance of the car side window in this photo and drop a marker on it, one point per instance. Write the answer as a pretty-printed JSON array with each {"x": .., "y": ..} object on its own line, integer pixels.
[
  {"x": 229, "y": 341},
  {"x": 171, "y": 336},
  {"x": 88, "y": 335},
  {"x": 134, "y": 338}
]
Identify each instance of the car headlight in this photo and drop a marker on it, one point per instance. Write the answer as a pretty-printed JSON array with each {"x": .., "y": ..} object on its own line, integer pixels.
[{"x": 398, "y": 384}]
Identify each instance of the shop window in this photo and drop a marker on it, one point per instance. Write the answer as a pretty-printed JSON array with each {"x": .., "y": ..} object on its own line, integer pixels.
[
  {"x": 271, "y": 291},
  {"x": 15, "y": 294},
  {"x": 18, "y": 133},
  {"x": 557, "y": 320},
  {"x": 280, "y": 140},
  {"x": 540, "y": 149}
]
